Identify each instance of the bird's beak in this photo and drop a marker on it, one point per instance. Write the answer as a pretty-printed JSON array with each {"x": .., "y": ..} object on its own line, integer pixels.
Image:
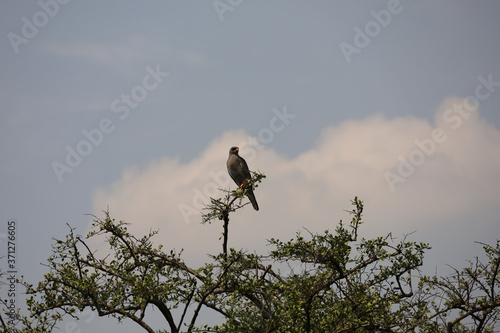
[{"x": 236, "y": 150}]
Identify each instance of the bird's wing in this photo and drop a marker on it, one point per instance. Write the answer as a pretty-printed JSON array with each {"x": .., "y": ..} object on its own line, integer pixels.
[
  {"x": 244, "y": 168},
  {"x": 234, "y": 169}
]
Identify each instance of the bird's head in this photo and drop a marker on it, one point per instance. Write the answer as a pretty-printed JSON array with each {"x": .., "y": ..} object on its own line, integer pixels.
[{"x": 234, "y": 150}]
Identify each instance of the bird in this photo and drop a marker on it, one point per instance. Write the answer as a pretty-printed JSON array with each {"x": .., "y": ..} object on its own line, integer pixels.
[{"x": 238, "y": 170}]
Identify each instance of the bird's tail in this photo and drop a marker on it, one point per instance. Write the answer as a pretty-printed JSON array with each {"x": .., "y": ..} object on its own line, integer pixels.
[{"x": 252, "y": 199}]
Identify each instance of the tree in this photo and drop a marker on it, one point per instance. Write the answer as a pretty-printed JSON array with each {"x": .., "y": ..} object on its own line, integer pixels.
[
  {"x": 316, "y": 282},
  {"x": 471, "y": 293}
]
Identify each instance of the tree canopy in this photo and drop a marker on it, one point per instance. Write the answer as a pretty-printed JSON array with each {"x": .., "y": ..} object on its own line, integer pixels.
[{"x": 328, "y": 281}]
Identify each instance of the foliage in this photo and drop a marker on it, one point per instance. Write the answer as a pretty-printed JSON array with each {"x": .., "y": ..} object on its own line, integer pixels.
[
  {"x": 316, "y": 282},
  {"x": 472, "y": 293},
  {"x": 327, "y": 283}
]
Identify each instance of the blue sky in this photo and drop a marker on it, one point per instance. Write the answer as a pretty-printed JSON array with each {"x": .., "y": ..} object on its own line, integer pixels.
[{"x": 170, "y": 86}]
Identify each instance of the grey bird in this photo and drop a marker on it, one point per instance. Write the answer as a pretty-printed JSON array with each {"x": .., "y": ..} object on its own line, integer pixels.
[{"x": 238, "y": 170}]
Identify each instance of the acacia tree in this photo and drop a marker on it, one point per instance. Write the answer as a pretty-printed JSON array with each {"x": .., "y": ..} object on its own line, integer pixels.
[
  {"x": 469, "y": 298},
  {"x": 316, "y": 282}
]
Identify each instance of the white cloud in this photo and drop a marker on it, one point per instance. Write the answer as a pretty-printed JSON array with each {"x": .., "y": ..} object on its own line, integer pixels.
[{"x": 459, "y": 179}]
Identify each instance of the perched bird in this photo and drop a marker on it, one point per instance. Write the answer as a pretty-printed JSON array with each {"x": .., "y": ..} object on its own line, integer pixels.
[{"x": 238, "y": 170}]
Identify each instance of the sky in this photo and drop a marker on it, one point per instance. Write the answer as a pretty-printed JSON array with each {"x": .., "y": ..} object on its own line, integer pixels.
[{"x": 133, "y": 106}]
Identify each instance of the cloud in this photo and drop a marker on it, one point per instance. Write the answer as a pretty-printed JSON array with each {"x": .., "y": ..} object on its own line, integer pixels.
[
  {"x": 101, "y": 53},
  {"x": 457, "y": 179},
  {"x": 119, "y": 55}
]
